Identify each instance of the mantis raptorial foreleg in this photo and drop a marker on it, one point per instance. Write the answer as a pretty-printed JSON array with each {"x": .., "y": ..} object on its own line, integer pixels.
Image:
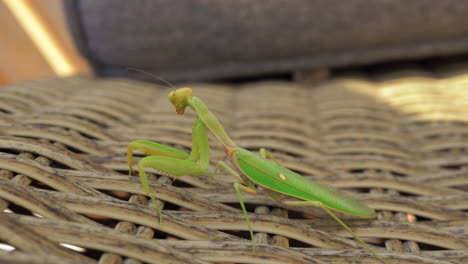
[
  {"x": 153, "y": 149},
  {"x": 170, "y": 160}
]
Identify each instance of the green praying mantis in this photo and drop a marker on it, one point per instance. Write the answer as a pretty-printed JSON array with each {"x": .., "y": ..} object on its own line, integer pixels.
[{"x": 249, "y": 169}]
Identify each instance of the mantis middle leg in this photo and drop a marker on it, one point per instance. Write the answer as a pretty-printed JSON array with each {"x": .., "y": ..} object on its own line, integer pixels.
[
  {"x": 238, "y": 187},
  {"x": 170, "y": 160}
]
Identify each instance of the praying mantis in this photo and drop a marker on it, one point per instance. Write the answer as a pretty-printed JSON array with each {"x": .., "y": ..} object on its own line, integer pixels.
[{"x": 254, "y": 173}]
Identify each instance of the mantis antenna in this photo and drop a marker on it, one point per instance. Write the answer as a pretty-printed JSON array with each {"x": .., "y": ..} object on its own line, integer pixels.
[{"x": 157, "y": 77}]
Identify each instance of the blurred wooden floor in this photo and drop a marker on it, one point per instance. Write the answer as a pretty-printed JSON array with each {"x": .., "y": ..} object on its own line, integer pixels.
[{"x": 21, "y": 59}]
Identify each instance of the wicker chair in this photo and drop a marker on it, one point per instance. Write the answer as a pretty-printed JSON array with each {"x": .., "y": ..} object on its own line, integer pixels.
[{"x": 394, "y": 138}]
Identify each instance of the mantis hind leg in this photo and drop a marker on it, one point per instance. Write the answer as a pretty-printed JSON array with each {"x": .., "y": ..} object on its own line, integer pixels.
[
  {"x": 267, "y": 155},
  {"x": 329, "y": 212}
]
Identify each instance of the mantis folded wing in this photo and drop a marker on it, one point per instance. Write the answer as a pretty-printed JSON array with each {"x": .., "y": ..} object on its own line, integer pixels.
[{"x": 249, "y": 169}]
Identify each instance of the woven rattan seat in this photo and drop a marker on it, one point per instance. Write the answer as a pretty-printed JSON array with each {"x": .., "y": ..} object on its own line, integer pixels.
[{"x": 395, "y": 139}]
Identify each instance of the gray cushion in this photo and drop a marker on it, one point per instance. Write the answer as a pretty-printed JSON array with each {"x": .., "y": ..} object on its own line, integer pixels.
[{"x": 187, "y": 40}]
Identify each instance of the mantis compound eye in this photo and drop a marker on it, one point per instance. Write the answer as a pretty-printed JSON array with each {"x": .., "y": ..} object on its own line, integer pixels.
[{"x": 178, "y": 99}]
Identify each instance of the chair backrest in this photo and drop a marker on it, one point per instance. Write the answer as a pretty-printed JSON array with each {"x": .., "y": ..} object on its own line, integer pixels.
[{"x": 188, "y": 40}]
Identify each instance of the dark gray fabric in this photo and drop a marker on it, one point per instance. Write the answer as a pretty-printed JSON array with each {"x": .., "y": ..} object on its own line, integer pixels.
[{"x": 188, "y": 40}]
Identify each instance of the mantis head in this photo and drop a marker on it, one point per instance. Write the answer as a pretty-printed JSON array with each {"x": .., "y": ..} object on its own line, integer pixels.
[{"x": 180, "y": 99}]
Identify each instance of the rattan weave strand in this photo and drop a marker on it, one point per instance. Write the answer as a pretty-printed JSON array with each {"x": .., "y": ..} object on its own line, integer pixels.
[{"x": 394, "y": 139}]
